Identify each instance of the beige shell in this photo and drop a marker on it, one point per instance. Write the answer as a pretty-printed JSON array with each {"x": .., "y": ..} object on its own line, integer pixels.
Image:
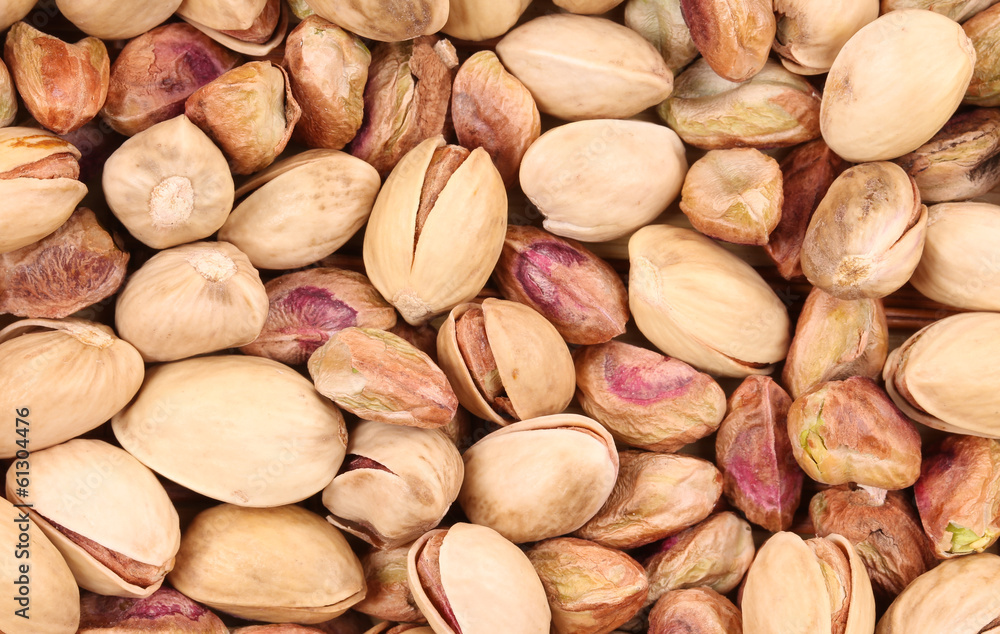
[
  {"x": 169, "y": 184},
  {"x": 700, "y": 303},
  {"x": 70, "y": 375},
  {"x": 280, "y": 564},
  {"x": 385, "y": 21},
  {"x": 244, "y": 430},
  {"x": 534, "y": 363},
  {"x": 54, "y": 601},
  {"x": 104, "y": 494},
  {"x": 424, "y": 474},
  {"x": 478, "y": 20},
  {"x": 229, "y": 15},
  {"x": 811, "y": 32},
  {"x": 238, "y": 45},
  {"x": 13, "y": 10},
  {"x": 600, "y": 180},
  {"x": 882, "y": 110},
  {"x": 302, "y": 209},
  {"x": 539, "y": 478},
  {"x": 119, "y": 20},
  {"x": 192, "y": 299},
  {"x": 456, "y": 251},
  {"x": 490, "y": 584}
]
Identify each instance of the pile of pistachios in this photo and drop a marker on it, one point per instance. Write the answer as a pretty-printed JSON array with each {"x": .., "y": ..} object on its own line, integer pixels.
[{"x": 477, "y": 316}]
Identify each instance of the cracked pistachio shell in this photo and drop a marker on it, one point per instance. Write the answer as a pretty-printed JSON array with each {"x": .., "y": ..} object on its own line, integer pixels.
[
  {"x": 388, "y": 597},
  {"x": 448, "y": 261},
  {"x": 733, "y": 36},
  {"x": 866, "y": 236},
  {"x": 478, "y": 20},
  {"x": 662, "y": 23},
  {"x": 602, "y": 179},
  {"x": 166, "y": 611},
  {"x": 275, "y": 564},
  {"x": 193, "y": 299},
  {"x": 169, "y": 184},
  {"x": 73, "y": 375},
  {"x": 942, "y": 375},
  {"x": 385, "y": 21},
  {"x": 414, "y": 473},
  {"x": 703, "y": 305},
  {"x": 231, "y": 15},
  {"x": 810, "y": 33},
  {"x": 822, "y": 583},
  {"x": 862, "y": 101},
  {"x": 116, "y": 20},
  {"x": 266, "y": 32},
  {"x": 324, "y": 197},
  {"x": 959, "y": 266},
  {"x": 581, "y": 67},
  {"x": 531, "y": 361},
  {"x": 695, "y": 610},
  {"x": 106, "y": 513},
  {"x": 53, "y": 606},
  {"x": 836, "y": 339},
  {"x": 13, "y": 10},
  {"x": 957, "y": 10},
  {"x": 241, "y": 457},
  {"x": 539, "y": 478},
  {"x": 469, "y": 579}
]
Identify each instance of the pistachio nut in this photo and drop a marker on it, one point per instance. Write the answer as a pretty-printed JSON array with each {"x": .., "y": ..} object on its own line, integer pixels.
[
  {"x": 414, "y": 473},
  {"x": 478, "y": 20},
  {"x": 385, "y": 22},
  {"x": 166, "y": 611},
  {"x": 662, "y": 23},
  {"x": 822, "y": 582},
  {"x": 388, "y": 597},
  {"x": 733, "y": 36},
  {"x": 423, "y": 338},
  {"x": 106, "y": 513},
  {"x": 169, "y": 184},
  {"x": 958, "y": 266},
  {"x": 53, "y": 604},
  {"x": 581, "y": 67},
  {"x": 351, "y": 622},
  {"x": 656, "y": 496},
  {"x": 539, "y": 478},
  {"x": 155, "y": 73},
  {"x": 774, "y": 108},
  {"x": 645, "y": 399},
  {"x": 328, "y": 68},
  {"x": 379, "y": 376},
  {"x": 423, "y": 251},
  {"x": 505, "y": 361},
  {"x": 8, "y": 97},
  {"x": 306, "y": 307},
  {"x": 603, "y": 179},
  {"x": 810, "y": 33},
  {"x": 116, "y": 21},
  {"x": 591, "y": 589},
  {"x": 704, "y": 305},
  {"x": 468, "y": 579},
  {"x": 241, "y": 457},
  {"x": 77, "y": 265},
  {"x": 274, "y": 564},
  {"x": 695, "y": 610},
  {"x": 752, "y": 449},
  {"x": 939, "y": 376},
  {"x": 859, "y": 115},
  {"x": 867, "y": 234},
  {"x": 957, "y": 10},
  {"x": 38, "y": 184},
  {"x": 13, "y": 10},
  {"x": 884, "y": 529},
  {"x": 266, "y": 31},
  {"x": 734, "y": 195},
  {"x": 984, "y": 88},
  {"x": 836, "y": 339},
  {"x": 324, "y": 196},
  {"x": 68, "y": 376}
]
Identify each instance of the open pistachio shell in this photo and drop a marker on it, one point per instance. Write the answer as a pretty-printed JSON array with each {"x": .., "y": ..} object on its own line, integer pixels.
[
  {"x": 385, "y": 21},
  {"x": 106, "y": 513},
  {"x": 116, "y": 20},
  {"x": 810, "y": 33},
  {"x": 230, "y": 41},
  {"x": 232, "y": 15}
]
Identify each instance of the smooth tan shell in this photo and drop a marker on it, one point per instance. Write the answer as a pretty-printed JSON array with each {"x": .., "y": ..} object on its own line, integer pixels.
[
  {"x": 479, "y": 20},
  {"x": 385, "y": 21},
  {"x": 280, "y": 564},
  {"x": 535, "y": 365},
  {"x": 33, "y": 208},
  {"x": 240, "y": 46},
  {"x": 302, "y": 209},
  {"x": 119, "y": 20},
  {"x": 244, "y": 430},
  {"x": 103, "y": 493},
  {"x": 72, "y": 375},
  {"x": 230, "y": 15},
  {"x": 13, "y": 10},
  {"x": 812, "y": 32},
  {"x": 490, "y": 584}
]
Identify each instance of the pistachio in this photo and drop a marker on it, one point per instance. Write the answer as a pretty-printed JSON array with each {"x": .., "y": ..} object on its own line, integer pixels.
[
  {"x": 836, "y": 339},
  {"x": 156, "y": 72},
  {"x": 283, "y": 628},
  {"x": 587, "y": 7},
  {"x": 63, "y": 85},
  {"x": 580, "y": 67},
  {"x": 662, "y": 23},
  {"x": 859, "y": 116},
  {"x": 423, "y": 338},
  {"x": 8, "y": 97},
  {"x": 14, "y": 10},
  {"x": 266, "y": 30},
  {"x": 759, "y": 473},
  {"x": 984, "y": 88},
  {"x": 810, "y": 33},
  {"x": 734, "y": 195},
  {"x": 116, "y": 21},
  {"x": 269, "y": 564},
  {"x": 238, "y": 457},
  {"x": 603, "y": 179},
  {"x": 699, "y": 303},
  {"x": 645, "y": 399},
  {"x": 78, "y": 265},
  {"x": 165, "y": 611},
  {"x": 696, "y": 610},
  {"x": 655, "y": 496},
  {"x": 262, "y": 27},
  {"x": 350, "y": 622},
  {"x": 478, "y": 20},
  {"x": 867, "y": 234},
  {"x": 591, "y": 589},
  {"x": 377, "y": 20},
  {"x": 774, "y": 108},
  {"x": 223, "y": 14},
  {"x": 328, "y": 68},
  {"x": 733, "y": 36},
  {"x": 957, "y": 10},
  {"x": 491, "y": 109},
  {"x": 388, "y": 597}
]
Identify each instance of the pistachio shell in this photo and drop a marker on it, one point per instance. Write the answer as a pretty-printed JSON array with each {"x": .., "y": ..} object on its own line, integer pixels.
[
  {"x": 662, "y": 23},
  {"x": 235, "y": 39},
  {"x": 733, "y": 36},
  {"x": 21, "y": 147},
  {"x": 810, "y": 33},
  {"x": 389, "y": 596},
  {"x": 984, "y": 89},
  {"x": 382, "y": 21},
  {"x": 697, "y": 610},
  {"x": 957, "y": 10},
  {"x": 222, "y": 14},
  {"x": 33, "y": 208},
  {"x": 116, "y": 21},
  {"x": 166, "y": 611},
  {"x": 13, "y": 10},
  {"x": 478, "y": 20}
]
